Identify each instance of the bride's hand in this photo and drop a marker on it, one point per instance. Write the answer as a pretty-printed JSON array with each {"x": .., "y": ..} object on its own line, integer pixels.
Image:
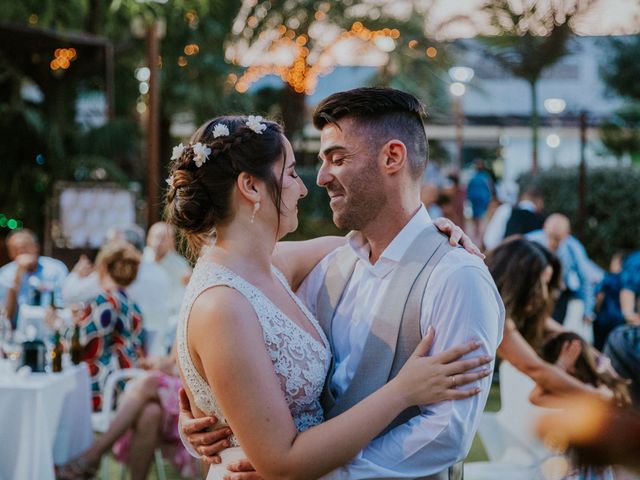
[
  {"x": 457, "y": 236},
  {"x": 426, "y": 379}
]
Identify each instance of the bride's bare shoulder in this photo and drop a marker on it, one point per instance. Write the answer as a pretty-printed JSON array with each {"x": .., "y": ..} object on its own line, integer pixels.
[{"x": 219, "y": 306}]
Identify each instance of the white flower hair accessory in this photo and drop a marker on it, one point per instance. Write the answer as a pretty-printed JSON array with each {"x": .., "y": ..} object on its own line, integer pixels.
[
  {"x": 177, "y": 151},
  {"x": 255, "y": 123},
  {"x": 200, "y": 154},
  {"x": 220, "y": 130},
  {"x": 169, "y": 181}
]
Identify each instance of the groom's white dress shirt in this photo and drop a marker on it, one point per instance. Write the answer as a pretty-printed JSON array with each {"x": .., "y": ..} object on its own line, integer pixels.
[{"x": 462, "y": 303}]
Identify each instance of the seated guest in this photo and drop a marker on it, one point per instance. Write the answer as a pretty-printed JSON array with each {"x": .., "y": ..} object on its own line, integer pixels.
[
  {"x": 571, "y": 352},
  {"x": 608, "y": 310},
  {"x": 161, "y": 250},
  {"x": 526, "y": 275},
  {"x": 597, "y": 432},
  {"x": 30, "y": 278},
  {"x": 146, "y": 418},
  {"x": 150, "y": 290},
  {"x": 579, "y": 274},
  {"x": 630, "y": 279},
  {"x": 623, "y": 347},
  {"x": 111, "y": 325}
]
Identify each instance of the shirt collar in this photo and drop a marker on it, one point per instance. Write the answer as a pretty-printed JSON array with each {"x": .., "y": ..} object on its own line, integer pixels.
[
  {"x": 396, "y": 249},
  {"x": 527, "y": 205}
]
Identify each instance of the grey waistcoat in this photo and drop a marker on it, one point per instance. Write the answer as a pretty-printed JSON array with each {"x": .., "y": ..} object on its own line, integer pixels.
[{"x": 395, "y": 331}]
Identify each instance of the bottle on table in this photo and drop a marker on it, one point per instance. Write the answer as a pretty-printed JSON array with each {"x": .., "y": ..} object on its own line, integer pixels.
[
  {"x": 76, "y": 347},
  {"x": 56, "y": 354}
]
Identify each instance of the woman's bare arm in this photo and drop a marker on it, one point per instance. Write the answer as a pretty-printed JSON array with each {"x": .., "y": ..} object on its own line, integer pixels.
[
  {"x": 296, "y": 259},
  {"x": 515, "y": 349},
  {"x": 241, "y": 374}
]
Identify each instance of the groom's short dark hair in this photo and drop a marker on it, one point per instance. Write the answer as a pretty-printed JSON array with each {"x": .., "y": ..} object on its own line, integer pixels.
[{"x": 384, "y": 113}]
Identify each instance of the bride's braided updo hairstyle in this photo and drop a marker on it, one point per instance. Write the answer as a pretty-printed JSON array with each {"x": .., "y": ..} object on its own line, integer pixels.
[{"x": 199, "y": 195}]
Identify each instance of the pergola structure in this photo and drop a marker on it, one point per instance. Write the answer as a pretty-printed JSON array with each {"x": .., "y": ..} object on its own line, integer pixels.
[
  {"x": 49, "y": 56},
  {"x": 54, "y": 60}
]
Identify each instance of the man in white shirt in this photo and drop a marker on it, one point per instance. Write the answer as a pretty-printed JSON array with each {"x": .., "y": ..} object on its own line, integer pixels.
[
  {"x": 373, "y": 154},
  {"x": 161, "y": 251}
]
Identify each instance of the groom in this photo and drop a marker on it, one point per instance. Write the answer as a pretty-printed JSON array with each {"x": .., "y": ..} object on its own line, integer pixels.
[{"x": 376, "y": 296}]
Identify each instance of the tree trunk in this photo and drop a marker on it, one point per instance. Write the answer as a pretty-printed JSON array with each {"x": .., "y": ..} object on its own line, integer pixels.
[
  {"x": 534, "y": 127},
  {"x": 94, "y": 17},
  {"x": 292, "y": 106}
]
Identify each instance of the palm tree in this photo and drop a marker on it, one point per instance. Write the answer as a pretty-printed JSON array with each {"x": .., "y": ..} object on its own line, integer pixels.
[{"x": 529, "y": 39}]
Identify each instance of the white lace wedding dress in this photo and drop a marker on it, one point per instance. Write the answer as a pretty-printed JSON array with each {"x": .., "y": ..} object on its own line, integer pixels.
[{"x": 299, "y": 360}]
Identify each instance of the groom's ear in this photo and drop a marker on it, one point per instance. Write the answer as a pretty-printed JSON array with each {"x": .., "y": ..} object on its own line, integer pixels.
[
  {"x": 394, "y": 156},
  {"x": 248, "y": 187}
]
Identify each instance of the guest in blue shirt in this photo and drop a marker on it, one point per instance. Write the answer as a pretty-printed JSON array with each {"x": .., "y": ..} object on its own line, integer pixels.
[
  {"x": 579, "y": 273},
  {"x": 609, "y": 314},
  {"x": 29, "y": 278},
  {"x": 630, "y": 293}
]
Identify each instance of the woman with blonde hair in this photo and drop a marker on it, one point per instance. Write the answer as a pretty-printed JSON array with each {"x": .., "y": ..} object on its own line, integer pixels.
[{"x": 111, "y": 325}]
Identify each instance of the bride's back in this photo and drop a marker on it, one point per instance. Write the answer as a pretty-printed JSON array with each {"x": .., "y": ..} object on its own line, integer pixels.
[{"x": 299, "y": 360}]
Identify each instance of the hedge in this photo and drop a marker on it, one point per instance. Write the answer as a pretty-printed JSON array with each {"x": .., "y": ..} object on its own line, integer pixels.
[{"x": 612, "y": 200}]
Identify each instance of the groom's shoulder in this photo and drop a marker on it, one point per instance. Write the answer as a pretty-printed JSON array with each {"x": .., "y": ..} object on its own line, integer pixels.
[{"x": 458, "y": 263}]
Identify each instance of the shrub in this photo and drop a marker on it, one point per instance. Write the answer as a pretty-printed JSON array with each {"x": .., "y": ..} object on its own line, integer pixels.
[{"x": 612, "y": 206}]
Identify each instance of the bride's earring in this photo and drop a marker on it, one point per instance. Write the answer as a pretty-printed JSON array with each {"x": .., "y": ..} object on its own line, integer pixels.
[{"x": 256, "y": 207}]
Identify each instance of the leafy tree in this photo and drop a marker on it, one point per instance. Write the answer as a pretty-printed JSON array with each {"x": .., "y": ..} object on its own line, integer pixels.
[
  {"x": 620, "y": 72},
  {"x": 621, "y": 69},
  {"x": 195, "y": 84},
  {"x": 529, "y": 38},
  {"x": 620, "y": 134},
  {"x": 311, "y": 30}
]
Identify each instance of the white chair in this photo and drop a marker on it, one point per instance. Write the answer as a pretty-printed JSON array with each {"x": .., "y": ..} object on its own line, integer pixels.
[{"x": 101, "y": 420}]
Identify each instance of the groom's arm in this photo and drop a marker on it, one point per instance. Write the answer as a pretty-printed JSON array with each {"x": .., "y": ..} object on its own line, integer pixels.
[
  {"x": 197, "y": 434},
  {"x": 465, "y": 306}
]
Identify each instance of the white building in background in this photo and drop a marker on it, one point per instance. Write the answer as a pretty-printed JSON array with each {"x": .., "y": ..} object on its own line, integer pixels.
[{"x": 496, "y": 108}]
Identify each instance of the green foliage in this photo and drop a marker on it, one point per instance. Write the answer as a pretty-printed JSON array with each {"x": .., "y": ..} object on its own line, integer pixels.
[
  {"x": 620, "y": 72},
  {"x": 24, "y": 181},
  {"x": 621, "y": 69},
  {"x": 620, "y": 133},
  {"x": 612, "y": 198}
]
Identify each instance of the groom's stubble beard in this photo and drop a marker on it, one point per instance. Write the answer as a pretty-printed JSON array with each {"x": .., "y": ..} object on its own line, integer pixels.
[{"x": 364, "y": 199}]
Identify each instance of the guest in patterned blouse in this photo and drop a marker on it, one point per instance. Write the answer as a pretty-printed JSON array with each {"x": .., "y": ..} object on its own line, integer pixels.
[{"x": 111, "y": 325}]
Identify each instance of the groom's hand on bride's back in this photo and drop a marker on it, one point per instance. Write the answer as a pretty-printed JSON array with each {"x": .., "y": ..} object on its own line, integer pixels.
[{"x": 200, "y": 432}]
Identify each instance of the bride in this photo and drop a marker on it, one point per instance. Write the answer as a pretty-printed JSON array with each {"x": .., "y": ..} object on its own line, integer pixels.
[{"x": 249, "y": 351}]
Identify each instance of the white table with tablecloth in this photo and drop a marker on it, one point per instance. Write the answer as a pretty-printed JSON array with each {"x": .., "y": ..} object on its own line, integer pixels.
[{"x": 45, "y": 419}]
